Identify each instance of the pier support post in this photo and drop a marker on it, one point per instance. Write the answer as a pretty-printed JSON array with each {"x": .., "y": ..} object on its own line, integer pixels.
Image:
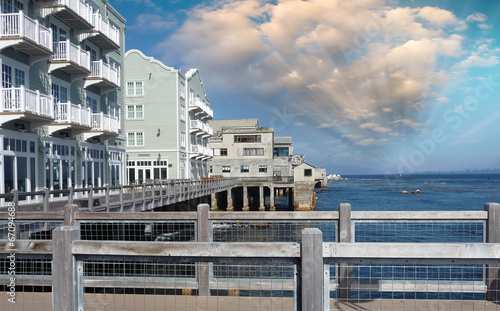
[
  {"x": 493, "y": 236},
  {"x": 262, "y": 206},
  {"x": 312, "y": 270},
  {"x": 272, "y": 207},
  {"x": 230, "y": 206},
  {"x": 203, "y": 236},
  {"x": 214, "y": 206},
  {"x": 246, "y": 207},
  {"x": 67, "y": 281},
  {"x": 345, "y": 269}
]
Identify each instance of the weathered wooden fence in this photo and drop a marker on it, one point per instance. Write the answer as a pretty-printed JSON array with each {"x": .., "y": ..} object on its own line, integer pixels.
[{"x": 314, "y": 257}]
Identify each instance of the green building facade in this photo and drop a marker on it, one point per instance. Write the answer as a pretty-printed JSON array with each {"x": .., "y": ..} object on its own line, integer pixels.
[{"x": 166, "y": 120}]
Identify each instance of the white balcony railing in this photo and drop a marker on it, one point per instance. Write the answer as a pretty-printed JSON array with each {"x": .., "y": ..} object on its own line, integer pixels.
[
  {"x": 82, "y": 8},
  {"x": 197, "y": 124},
  {"x": 23, "y": 100},
  {"x": 106, "y": 28},
  {"x": 71, "y": 113},
  {"x": 104, "y": 122},
  {"x": 99, "y": 69},
  {"x": 67, "y": 51},
  {"x": 196, "y": 102},
  {"x": 19, "y": 25}
]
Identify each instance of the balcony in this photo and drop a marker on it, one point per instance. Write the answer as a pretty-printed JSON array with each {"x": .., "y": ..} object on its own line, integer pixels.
[
  {"x": 70, "y": 120},
  {"x": 104, "y": 34},
  {"x": 200, "y": 108},
  {"x": 77, "y": 14},
  {"x": 26, "y": 105},
  {"x": 104, "y": 127},
  {"x": 26, "y": 35},
  {"x": 103, "y": 76},
  {"x": 200, "y": 152},
  {"x": 71, "y": 59},
  {"x": 199, "y": 128}
]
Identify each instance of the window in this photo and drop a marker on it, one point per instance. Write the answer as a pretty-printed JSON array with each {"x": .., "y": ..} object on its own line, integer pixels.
[
  {"x": 281, "y": 152},
  {"x": 135, "y": 112},
  {"x": 247, "y": 138},
  {"x": 135, "y": 139},
  {"x": 226, "y": 169},
  {"x": 253, "y": 151},
  {"x": 183, "y": 113},
  {"x": 135, "y": 88},
  {"x": 60, "y": 93},
  {"x": 12, "y": 76},
  {"x": 183, "y": 140},
  {"x": 262, "y": 168},
  {"x": 223, "y": 152},
  {"x": 308, "y": 172},
  {"x": 244, "y": 169},
  {"x": 92, "y": 104},
  {"x": 12, "y": 6}
]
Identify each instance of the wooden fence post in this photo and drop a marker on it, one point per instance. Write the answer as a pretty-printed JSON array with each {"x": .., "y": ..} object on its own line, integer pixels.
[
  {"x": 311, "y": 277},
  {"x": 67, "y": 288},
  {"x": 493, "y": 236},
  {"x": 69, "y": 214},
  {"x": 345, "y": 269},
  {"x": 203, "y": 228}
]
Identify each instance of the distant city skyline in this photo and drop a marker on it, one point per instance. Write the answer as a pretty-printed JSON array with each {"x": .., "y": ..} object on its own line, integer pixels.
[{"x": 363, "y": 87}]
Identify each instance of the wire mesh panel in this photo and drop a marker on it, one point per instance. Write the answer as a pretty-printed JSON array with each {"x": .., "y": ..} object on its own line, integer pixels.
[
  {"x": 30, "y": 230},
  {"x": 419, "y": 231},
  {"x": 157, "y": 285},
  {"x": 412, "y": 287},
  {"x": 25, "y": 283},
  {"x": 171, "y": 231},
  {"x": 269, "y": 231}
]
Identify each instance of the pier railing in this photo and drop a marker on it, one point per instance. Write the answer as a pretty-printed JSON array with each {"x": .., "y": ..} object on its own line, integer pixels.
[
  {"x": 135, "y": 198},
  {"x": 295, "y": 260}
]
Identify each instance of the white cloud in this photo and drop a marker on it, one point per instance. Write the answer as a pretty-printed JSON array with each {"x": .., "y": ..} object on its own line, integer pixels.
[
  {"x": 361, "y": 67},
  {"x": 480, "y": 19},
  {"x": 370, "y": 142}
]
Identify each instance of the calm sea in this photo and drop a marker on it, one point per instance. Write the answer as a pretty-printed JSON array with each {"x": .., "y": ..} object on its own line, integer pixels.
[{"x": 438, "y": 192}]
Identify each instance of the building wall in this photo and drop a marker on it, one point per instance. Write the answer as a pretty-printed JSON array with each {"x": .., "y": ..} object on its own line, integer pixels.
[{"x": 236, "y": 156}]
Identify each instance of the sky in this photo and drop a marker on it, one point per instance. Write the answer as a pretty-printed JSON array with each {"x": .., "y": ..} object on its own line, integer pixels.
[{"x": 362, "y": 86}]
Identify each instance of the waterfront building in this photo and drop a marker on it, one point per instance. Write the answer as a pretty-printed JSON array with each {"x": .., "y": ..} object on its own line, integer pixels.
[
  {"x": 263, "y": 164},
  {"x": 167, "y": 114},
  {"x": 61, "y": 103},
  {"x": 242, "y": 149}
]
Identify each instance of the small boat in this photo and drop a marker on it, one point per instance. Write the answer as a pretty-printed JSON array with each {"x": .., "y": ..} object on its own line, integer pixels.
[{"x": 416, "y": 191}]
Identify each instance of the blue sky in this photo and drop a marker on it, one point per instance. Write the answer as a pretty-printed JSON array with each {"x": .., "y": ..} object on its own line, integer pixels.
[{"x": 362, "y": 86}]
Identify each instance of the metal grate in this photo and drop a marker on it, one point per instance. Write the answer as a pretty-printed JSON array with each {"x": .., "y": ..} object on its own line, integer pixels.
[
  {"x": 171, "y": 231},
  {"x": 419, "y": 231},
  {"x": 32, "y": 284},
  {"x": 147, "y": 285},
  {"x": 30, "y": 230},
  {"x": 269, "y": 231},
  {"x": 412, "y": 287}
]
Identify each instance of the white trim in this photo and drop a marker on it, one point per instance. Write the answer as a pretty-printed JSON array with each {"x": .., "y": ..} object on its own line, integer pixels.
[{"x": 150, "y": 59}]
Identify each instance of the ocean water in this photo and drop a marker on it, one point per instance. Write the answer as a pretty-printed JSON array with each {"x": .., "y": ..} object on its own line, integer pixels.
[
  {"x": 438, "y": 193},
  {"x": 450, "y": 192}
]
